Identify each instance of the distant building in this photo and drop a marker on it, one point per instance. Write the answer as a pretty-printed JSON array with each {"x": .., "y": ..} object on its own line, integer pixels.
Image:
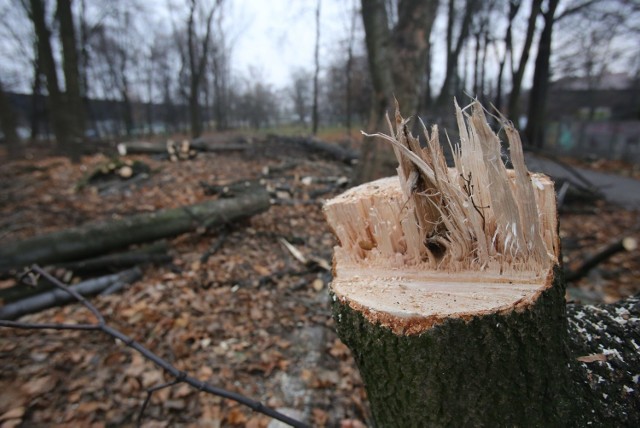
[
  {"x": 595, "y": 117},
  {"x": 612, "y": 96}
]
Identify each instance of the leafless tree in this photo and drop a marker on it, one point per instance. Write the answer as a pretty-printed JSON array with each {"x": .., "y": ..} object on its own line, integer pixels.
[
  {"x": 517, "y": 74},
  {"x": 300, "y": 93},
  {"x": 316, "y": 74},
  {"x": 199, "y": 38},
  {"x": 454, "y": 47},
  {"x": 8, "y": 125},
  {"x": 65, "y": 126},
  {"x": 397, "y": 60}
]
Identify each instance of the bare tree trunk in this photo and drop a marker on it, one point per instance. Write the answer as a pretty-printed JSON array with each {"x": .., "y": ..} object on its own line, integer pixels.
[
  {"x": 197, "y": 65},
  {"x": 397, "y": 61},
  {"x": 36, "y": 95},
  {"x": 8, "y": 120},
  {"x": 514, "y": 7},
  {"x": 316, "y": 74},
  {"x": 57, "y": 106},
  {"x": 70, "y": 67},
  {"x": 518, "y": 74},
  {"x": 349, "y": 70},
  {"x": 453, "y": 50},
  {"x": 538, "y": 97}
]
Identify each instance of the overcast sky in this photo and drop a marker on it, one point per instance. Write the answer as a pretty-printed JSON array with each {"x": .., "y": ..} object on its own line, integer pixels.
[{"x": 278, "y": 36}]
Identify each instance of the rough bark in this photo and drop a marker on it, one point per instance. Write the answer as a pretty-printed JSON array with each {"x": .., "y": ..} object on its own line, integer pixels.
[
  {"x": 604, "y": 343},
  {"x": 98, "y": 238},
  {"x": 498, "y": 369},
  {"x": 59, "y": 297}
]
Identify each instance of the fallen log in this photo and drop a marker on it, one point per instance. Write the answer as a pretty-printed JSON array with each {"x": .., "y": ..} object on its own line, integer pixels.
[
  {"x": 98, "y": 238},
  {"x": 58, "y": 297},
  {"x": 181, "y": 150},
  {"x": 448, "y": 287},
  {"x": 333, "y": 151},
  {"x": 151, "y": 254},
  {"x": 618, "y": 246}
]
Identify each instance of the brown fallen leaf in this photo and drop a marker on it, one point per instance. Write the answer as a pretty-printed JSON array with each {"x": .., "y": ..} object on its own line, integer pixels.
[
  {"x": 15, "y": 413},
  {"x": 38, "y": 386},
  {"x": 236, "y": 417}
]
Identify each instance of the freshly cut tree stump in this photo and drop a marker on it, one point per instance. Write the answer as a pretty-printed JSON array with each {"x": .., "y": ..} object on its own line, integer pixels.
[{"x": 447, "y": 286}]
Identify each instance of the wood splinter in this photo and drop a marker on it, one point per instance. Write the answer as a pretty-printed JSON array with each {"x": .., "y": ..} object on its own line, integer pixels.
[{"x": 446, "y": 284}]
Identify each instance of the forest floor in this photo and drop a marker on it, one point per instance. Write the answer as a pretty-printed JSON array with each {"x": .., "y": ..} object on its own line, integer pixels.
[{"x": 251, "y": 318}]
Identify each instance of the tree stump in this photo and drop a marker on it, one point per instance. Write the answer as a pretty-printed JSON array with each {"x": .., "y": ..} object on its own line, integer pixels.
[{"x": 447, "y": 286}]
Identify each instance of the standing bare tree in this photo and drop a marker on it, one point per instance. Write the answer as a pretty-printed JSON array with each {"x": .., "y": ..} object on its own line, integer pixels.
[
  {"x": 454, "y": 48},
  {"x": 397, "y": 60},
  {"x": 70, "y": 67},
  {"x": 61, "y": 117},
  {"x": 514, "y": 7},
  {"x": 517, "y": 74},
  {"x": 198, "y": 46},
  {"x": 8, "y": 125},
  {"x": 314, "y": 114}
]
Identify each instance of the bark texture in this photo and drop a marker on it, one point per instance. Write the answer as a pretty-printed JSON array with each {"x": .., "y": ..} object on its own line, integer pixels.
[{"x": 499, "y": 369}]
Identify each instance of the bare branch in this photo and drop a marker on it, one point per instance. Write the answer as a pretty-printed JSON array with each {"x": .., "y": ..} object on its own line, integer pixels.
[{"x": 179, "y": 376}]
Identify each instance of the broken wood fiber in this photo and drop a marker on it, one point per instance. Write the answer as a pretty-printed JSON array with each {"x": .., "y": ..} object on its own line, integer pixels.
[
  {"x": 99, "y": 238},
  {"x": 447, "y": 286}
]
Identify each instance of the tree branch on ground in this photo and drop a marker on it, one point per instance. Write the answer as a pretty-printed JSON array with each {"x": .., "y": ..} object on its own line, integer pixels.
[{"x": 178, "y": 375}]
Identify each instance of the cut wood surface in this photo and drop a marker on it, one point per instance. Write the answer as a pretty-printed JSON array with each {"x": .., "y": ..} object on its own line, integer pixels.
[
  {"x": 99, "y": 238},
  {"x": 447, "y": 285},
  {"x": 57, "y": 297}
]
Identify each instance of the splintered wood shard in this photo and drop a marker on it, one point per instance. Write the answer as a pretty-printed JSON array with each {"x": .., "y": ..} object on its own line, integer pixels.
[{"x": 464, "y": 228}]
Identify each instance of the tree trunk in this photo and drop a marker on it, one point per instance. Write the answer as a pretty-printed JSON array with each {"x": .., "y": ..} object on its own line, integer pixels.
[
  {"x": 453, "y": 50},
  {"x": 396, "y": 62},
  {"x": 71, "y": 70},
  {"x": 517, "y": 75},
  {"x": 8, "y": 121},
  {"x": 316, "y": 74},
  {"x": 538, "y": 96},
  {"x": 99, "y": 238},
  {"x": 447, "y": 286},
  {"x": 57, "y": 106}
]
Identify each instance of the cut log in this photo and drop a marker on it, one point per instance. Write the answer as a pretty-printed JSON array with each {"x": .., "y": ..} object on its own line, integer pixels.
[
  {"x": 447, "y": 286},
  {"x": 330, "y": 150},
  {"x": 625, "y": 244},
  {"x": 58, "y": 297},
  {"x": 181, "y": 150},
  {"x": 149, "y": 254},
  {"x": 98, "y": 238}
]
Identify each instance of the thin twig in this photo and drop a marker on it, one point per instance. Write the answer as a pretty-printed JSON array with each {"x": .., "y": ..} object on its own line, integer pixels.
[{"x": 149, "y": 355}]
